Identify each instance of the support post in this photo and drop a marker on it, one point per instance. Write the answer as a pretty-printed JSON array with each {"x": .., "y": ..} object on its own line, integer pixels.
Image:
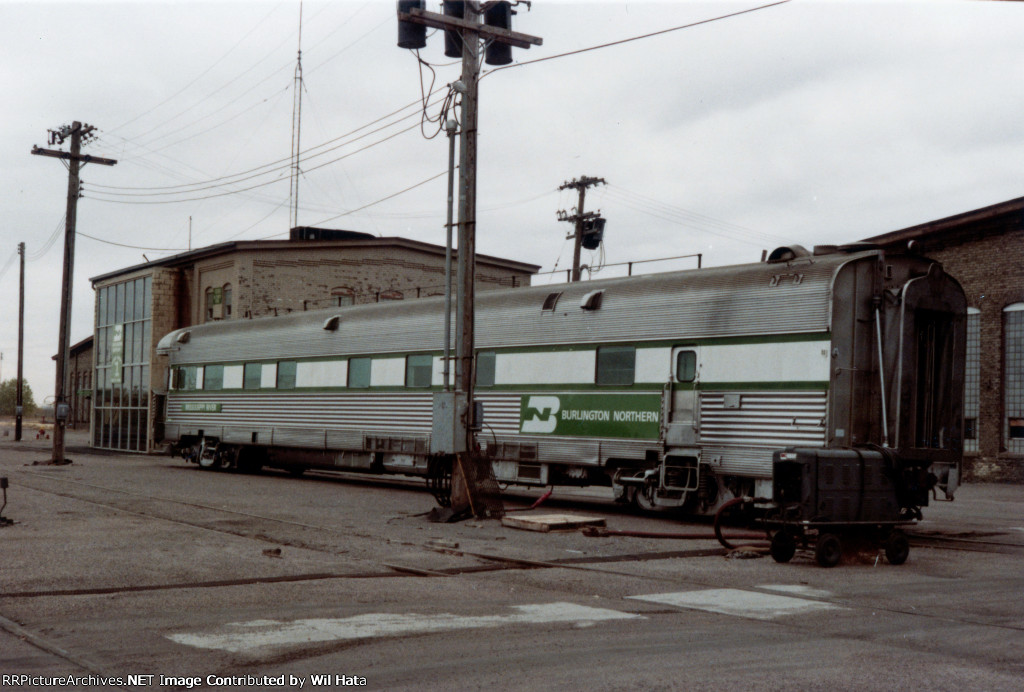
[
  {"x": 578, "y": 218},
  {"x": 74, "y": 158},
  {"x": 19, "y": 403}
]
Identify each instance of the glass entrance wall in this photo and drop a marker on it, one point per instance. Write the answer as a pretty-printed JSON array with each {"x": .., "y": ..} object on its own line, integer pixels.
[{"x": 123, "y": 341}]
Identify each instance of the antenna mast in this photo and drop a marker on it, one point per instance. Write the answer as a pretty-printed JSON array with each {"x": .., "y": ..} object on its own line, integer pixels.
[{"x": 293, "y": 193}]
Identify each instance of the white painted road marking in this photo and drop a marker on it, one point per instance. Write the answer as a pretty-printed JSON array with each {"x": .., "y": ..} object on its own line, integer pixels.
[
  {"x": 750, "y": 604},
  {"x": 240, "y": 637},
  {"x": 796, "y": 590}
]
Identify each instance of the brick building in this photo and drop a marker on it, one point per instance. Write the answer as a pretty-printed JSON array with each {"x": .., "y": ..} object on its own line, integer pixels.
[
  {"x": 79, "y": 372},
  {"x": 984, "y": 250},
  {"x": 315, "y": 268}
]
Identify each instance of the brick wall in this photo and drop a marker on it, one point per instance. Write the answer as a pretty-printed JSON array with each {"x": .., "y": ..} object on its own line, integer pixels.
[
  {"x": 79, "y": 381},
  {"x": 309, "y": 279},
  {"x": 990, "y": 267}
]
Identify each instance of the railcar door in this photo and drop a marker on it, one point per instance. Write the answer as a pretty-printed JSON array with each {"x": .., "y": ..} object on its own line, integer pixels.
[
  {"x": 683, "y": 411},
  {"x": 929, "y": 415}
]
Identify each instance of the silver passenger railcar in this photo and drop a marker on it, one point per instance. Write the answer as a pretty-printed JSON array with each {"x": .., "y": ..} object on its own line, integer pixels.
[{"x": 675, "y": 389}]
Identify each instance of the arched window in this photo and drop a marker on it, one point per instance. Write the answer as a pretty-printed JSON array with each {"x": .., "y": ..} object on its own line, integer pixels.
[
  {"x": 342, "y": 295},
  {"x": 391, "y": 295},
  {"x": 209, "y": 303},
  {"x": 227, "y": 301},
  {"x": 1013, "y": 377}
]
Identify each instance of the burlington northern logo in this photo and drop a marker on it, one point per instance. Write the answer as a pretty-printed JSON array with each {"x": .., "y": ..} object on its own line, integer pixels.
[{"x": 539, "y": 414}]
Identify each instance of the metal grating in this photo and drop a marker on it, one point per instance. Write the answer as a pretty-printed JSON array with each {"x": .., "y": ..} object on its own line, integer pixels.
[
  {"x": 972, "y": 380},
  {"x": 1013, "y": 378}
]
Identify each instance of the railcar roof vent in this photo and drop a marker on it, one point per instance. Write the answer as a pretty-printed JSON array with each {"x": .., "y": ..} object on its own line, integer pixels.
[
  {"x": 787, "y": 253},
  {"x": 592, "y": 300},
  {"x": 551, "y": 301},
  {"x": 184, "y": 337},
  {"x": 332, "y": 323}
]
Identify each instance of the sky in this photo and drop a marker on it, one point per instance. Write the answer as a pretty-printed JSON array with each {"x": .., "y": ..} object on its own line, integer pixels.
[{"x": 808, "y": 122}]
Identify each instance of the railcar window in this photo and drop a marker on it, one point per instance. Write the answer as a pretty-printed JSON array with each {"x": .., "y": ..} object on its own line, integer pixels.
[
  {"x": 686, "y": 366},
  {"x": 286, "y": 374},
  {"x": 418, "y": 370},
  {"x": 616, "y": 364},
  {"x": 213, "y": 378},
  {"x": 359, "y": 373},
  {"x": 485, "y": 369},
  {"x": 551, "y": 301},
  {"x": 253, "y": 376}
]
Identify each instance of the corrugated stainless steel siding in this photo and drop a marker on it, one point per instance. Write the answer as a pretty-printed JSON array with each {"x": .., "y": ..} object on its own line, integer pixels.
[
  {"x": 720, "y": 302},
  {"x": 741, "y": 440},
  {"x": 755, "y": 462},
  {"x": 763, "y": 418},
  {"x": 393, "y": 413}
]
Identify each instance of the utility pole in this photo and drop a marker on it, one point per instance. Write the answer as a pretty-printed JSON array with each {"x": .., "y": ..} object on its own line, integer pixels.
[
  {"x": 579, "y": 218},
  {"x": 472, "y": 22},
  {"x": 18, "y": 410},
  {"x": 76, "y": 131},
  {"x": 297, "y": 85}
]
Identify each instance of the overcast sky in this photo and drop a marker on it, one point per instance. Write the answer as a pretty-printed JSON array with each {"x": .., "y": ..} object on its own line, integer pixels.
[{"x": 808, "y": 122}]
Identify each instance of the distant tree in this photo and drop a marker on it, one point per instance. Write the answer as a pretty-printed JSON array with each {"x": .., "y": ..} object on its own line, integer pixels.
[{"x": 9, "y": 397}]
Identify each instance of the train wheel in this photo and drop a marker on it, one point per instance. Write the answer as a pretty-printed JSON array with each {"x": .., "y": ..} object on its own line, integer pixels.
[
  {"x": 783, "y": 546},
  {"x": 643, "y": 498},
  {"x": 897, "y": 548},
  {"x": 208, "y": 457},
  {"x": 828, "y": 551}
]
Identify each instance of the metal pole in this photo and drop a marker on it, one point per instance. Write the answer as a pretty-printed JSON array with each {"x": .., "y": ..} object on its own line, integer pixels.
[
  {"x": 451, "y": 126},
  {"x": 65, "y": 298},
  {"x": 18, "y": 410},
  {"x": 881, "y": 377}
]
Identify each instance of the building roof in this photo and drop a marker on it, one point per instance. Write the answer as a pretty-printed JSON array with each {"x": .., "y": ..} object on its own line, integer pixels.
[
  {"x": 355, "y": 240},
  {"x": 83, "y": 345},
  {"x": 992, "y": 218}
]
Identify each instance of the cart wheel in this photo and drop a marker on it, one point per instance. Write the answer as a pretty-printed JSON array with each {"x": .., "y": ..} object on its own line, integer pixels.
[
  {"x": 828, "y": 551},
  {"x": 897, "y": 548},
  {"x": 783, "y": 546}
]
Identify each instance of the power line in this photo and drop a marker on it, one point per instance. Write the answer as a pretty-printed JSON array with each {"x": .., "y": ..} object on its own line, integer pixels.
[
  {"x": 201, "y": 75},
  {"x": 655, "y": 207},
  {"x": 50, "y": 242},
  {"x": 133, "y": 247},
  {"x": 244, "y": 189},
  {"x": 278, "y": 164},
  {"x": 383, "y": 199},
  {"x": 635, "y": 38}
]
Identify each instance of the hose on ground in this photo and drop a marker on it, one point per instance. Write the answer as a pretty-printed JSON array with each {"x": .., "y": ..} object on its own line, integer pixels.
[{"x": 722, "y": 510}]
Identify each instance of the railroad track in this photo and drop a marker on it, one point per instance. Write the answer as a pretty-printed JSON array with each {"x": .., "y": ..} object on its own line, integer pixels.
[{"x": 210, "y": 518}]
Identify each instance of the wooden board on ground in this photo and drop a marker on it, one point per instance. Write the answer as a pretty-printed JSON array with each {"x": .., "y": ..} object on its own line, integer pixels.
[{"x": 551, "y": 522}]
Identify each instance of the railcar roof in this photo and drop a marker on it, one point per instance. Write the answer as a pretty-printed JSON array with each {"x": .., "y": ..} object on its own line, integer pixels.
[{"x": 771, "y": 298}]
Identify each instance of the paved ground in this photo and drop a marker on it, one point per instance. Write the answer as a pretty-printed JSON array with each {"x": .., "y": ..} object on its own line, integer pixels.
[{"x": 127, "y": 565}]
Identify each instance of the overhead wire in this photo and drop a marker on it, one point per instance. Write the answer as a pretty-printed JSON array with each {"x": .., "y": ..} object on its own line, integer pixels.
[
  {"x": 282, "y": 163},
  {"x": 383, "y": 199},
  {"x": 686, "y": 217},
  {"x": 251, "y": 187},
  {"x": 447, "y": 102},
  {"x": 8, "y": 264},
  {"x": 201, "y": 75},
  {"x": 50, "y": 242},
  {"x": 633, "y": 38}
]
